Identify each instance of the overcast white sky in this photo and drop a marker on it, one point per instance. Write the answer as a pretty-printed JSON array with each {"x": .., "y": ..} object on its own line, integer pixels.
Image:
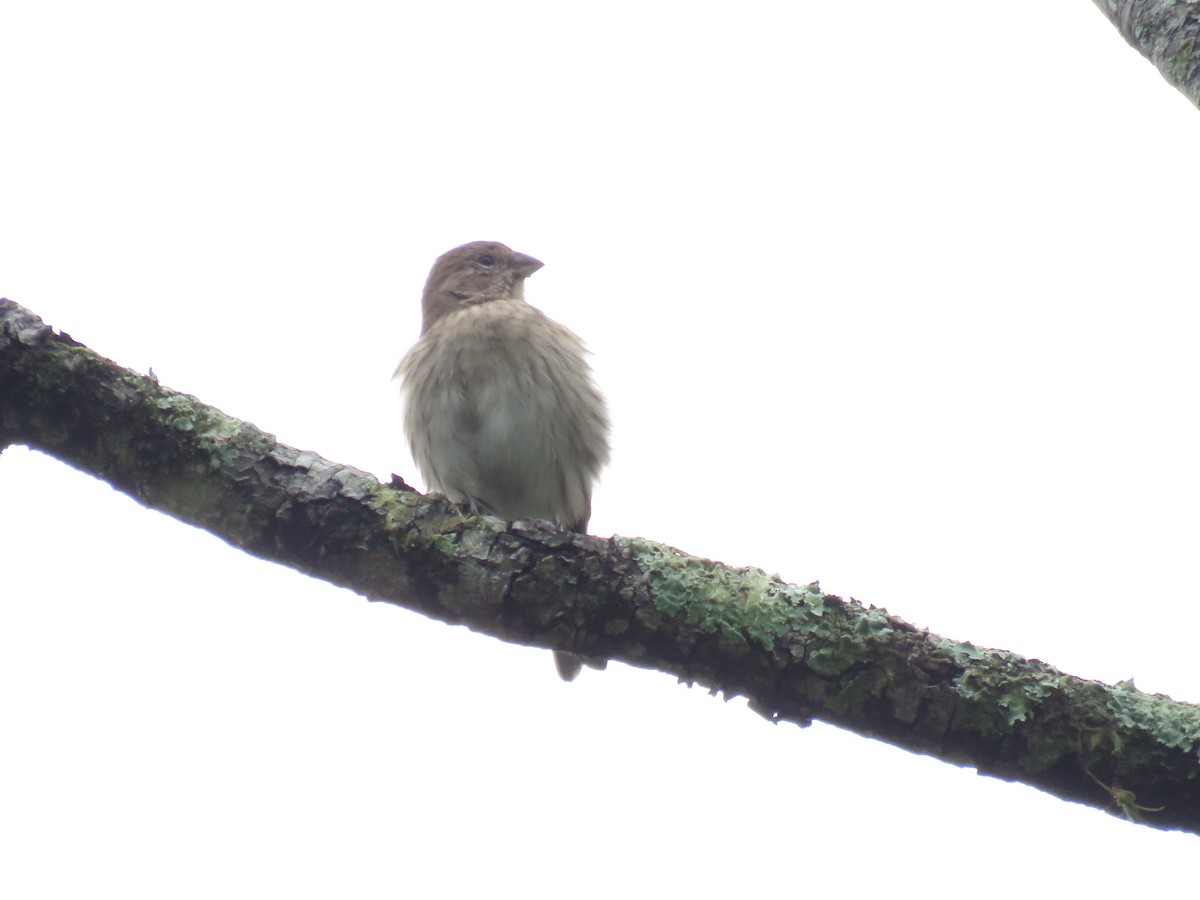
[{"x": 901, "y": 297}]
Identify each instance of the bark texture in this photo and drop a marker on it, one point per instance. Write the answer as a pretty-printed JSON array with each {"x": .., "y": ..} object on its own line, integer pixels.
[
  {"x": 1166, "y": 32},
  {"x": 796, "y": 652}
]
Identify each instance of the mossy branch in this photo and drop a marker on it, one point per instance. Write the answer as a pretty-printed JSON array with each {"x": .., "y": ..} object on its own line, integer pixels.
[
  {"x": 1167, "y": 33},
  {"x": 796, "y": 652}
]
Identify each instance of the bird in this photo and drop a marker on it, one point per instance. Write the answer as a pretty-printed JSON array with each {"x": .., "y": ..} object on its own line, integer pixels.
[{"x": 501, "y": 409}]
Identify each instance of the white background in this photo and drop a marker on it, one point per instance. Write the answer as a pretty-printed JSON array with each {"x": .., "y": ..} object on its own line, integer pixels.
[{"x": 901, "y": 297}]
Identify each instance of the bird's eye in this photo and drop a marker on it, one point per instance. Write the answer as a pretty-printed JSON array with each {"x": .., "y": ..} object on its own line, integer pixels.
[{"x": 487, "y": 260}]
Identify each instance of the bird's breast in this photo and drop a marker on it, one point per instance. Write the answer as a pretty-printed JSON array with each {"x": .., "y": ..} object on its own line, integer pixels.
[{"x": 497, "y": 400}]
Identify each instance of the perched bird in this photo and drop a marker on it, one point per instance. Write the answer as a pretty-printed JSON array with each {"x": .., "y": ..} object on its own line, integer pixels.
[{"x": 501, "y": 410}]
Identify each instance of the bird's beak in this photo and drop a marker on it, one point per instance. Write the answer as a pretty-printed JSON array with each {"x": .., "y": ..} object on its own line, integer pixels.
[{"x": 524, "y": 265}]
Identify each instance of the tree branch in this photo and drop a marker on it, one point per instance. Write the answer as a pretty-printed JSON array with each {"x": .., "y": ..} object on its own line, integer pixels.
[
  {"x": 1167, "y": 33},
  {"x": 797, "y": 653}
]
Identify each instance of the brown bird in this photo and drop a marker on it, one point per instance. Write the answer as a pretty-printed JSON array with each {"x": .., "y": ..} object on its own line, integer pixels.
[{"x": 501, "y": 410}]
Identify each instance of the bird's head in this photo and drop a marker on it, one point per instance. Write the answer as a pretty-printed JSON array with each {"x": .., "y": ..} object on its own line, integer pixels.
[{"x": 474, "y": 273}]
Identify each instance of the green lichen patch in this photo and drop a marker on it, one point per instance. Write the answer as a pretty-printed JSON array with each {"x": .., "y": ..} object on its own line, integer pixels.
[
  {"x": 1002, "y": 689},
  {"x": 1171, "y": 724},
  {"x": 400, "y": 510},
  {"x": 1177, "y": 66},
  {"x": 741, "y": 605}
]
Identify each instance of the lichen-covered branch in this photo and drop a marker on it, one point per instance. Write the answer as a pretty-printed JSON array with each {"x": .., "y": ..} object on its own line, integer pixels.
[
  {"x": 797, "y": 653},
  {"x": 1166, "y": 32}
]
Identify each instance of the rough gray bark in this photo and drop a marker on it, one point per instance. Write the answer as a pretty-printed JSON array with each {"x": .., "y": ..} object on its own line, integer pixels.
[
  {"x": 1166, "y": 32},
  {"x": 796, "y": 652}
]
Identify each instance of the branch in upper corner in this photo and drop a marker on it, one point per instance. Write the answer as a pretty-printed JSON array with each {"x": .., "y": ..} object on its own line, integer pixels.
[
  {"x": 1167, "y": 33},
  {"x": 796, "y": 652}
]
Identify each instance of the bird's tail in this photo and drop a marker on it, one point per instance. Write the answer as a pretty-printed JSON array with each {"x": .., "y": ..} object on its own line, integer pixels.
[{"x": 570, "y": 665}]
